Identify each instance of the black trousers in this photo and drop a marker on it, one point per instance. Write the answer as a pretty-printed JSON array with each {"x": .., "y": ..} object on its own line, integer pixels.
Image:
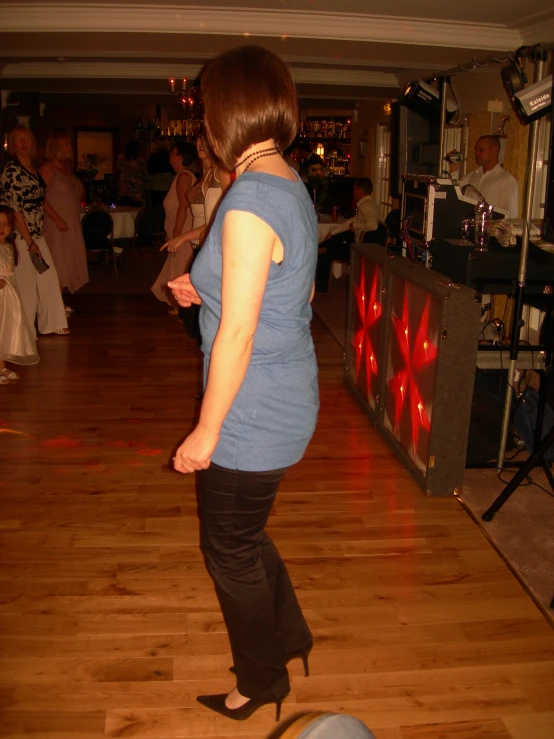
[
  {"x": 189, "y": 317},
  {"x": 257, "y": 599},
  {"x": 337, "y": 247}
]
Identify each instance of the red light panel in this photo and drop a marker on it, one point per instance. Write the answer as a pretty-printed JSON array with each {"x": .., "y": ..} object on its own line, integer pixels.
[
  {"x": 411, "y": 368},
  {"x": 366, "y": 333}
]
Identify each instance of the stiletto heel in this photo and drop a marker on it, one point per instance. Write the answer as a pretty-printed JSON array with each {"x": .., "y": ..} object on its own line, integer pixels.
[
  {"x": 302, "y": 654},
  {"x": 217, "y": 703}
]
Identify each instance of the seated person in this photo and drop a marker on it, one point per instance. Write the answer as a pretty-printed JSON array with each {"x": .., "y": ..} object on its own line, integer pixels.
[{"x": 336, "y": 246}]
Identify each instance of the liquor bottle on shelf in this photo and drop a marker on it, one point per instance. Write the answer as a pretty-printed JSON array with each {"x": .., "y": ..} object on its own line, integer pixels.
[{"x": 331, "y": 130}]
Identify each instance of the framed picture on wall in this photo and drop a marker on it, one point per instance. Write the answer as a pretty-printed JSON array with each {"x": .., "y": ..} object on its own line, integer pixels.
[{"x": 96, "y": 149}]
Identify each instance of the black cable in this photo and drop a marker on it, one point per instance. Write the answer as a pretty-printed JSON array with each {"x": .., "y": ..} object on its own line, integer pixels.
[
  {"x": 510, "y": 459},
  {"x": 536, "y": 484},
  {"x": 529, "y": 482}
]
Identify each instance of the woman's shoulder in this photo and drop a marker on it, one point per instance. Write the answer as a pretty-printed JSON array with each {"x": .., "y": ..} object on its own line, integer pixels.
[
  {"x": 12, "y": 167},
  {"x": 14, "y": 174},
  {"x": 271, "y": 189}
]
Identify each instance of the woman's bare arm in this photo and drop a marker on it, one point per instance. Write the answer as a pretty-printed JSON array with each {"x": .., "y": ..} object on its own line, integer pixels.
[
  {"x": 58, "y": 220},
  {"x": 184, "y": 182},
  {"x": 196, "y": 234},
  {"x": 245, "y": 273}
]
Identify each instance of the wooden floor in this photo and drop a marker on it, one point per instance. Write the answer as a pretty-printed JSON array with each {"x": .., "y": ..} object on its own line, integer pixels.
[{"x": 109, "y": 624}]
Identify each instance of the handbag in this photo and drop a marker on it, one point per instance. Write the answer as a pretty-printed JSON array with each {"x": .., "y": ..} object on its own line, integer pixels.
[{"x": 38, "y": 263}]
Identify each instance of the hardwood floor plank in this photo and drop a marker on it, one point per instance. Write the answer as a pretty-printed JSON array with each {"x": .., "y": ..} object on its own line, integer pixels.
[
  {"x": 494, "y": 729},
  {"x": 109, "y": 624},
  {"x": 534, "y": 726},
  {"x": 53, "y": 724}
]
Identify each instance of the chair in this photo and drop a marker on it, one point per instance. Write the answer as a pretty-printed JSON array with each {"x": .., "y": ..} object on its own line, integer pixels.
[
  {"x": 97, "y": 227},
  {"x": 379, "y": 236},
  {"x": 148, "y": 234}
]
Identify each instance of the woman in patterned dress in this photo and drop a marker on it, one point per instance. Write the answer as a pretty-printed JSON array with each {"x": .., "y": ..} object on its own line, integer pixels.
[{"x": 23, "y": 191}]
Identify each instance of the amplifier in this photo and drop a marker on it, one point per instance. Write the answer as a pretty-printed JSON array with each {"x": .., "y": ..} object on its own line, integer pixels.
[
  {"x": 411, "y": 351},
  {"x": 434, "y": 209},
  {"x": 493, "y": 271}
]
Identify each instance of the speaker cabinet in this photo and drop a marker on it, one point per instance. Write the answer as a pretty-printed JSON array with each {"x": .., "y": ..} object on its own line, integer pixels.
[
  {"x": 410, "y": 362},
  {"x": 365, "y": 325}
]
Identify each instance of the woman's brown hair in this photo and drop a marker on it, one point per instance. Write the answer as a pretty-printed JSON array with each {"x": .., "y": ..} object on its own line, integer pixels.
[
  {"x": 248, "y": 96},
  {"x": 54, "y": 144},
  {"x": 10, "y": 215},
  {"x": 11, "y": 143}
]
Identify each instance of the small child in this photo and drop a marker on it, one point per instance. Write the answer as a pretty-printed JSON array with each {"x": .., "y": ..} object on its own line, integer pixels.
[{"x": 16, "y": 339}]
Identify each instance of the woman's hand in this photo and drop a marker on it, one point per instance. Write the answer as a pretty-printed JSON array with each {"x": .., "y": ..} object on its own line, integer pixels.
[
  {"x": 62, "y": 225},
  {"x": 196, "y": 451},
  {"x": 33, "y": 249},
  {"x": 184, "y": 292},
  {"x": 173, "y": 244}
]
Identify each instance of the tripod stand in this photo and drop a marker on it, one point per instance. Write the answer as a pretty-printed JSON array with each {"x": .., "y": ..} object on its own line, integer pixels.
[{"x": 540, "y": 445}]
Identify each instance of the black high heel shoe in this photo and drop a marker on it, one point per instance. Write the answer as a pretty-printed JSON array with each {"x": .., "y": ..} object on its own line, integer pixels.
[
  {"x": 217, "y": 703},
  {"x": 302, "y": 654}
]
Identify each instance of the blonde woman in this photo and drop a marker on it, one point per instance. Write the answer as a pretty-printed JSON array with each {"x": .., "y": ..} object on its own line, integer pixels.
[
  {"x": 23, "y": 191},
  {"x": 204, "y": 197},
  {"x": 62, "y": 226}
]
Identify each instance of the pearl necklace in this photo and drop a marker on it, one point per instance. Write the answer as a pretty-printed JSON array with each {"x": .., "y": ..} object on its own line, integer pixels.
[{"x": 270, "y": 151}]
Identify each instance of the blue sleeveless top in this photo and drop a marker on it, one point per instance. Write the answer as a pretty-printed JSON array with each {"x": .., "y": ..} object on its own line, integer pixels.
[{"x": 274, "y": 413}]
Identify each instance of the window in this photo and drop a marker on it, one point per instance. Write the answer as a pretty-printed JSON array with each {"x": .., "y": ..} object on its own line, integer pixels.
[{"x": 382, "y": 168}]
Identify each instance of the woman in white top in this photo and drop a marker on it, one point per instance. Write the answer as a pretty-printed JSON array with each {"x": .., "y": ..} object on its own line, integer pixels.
[
  {"x": 178, "y": 219},
  {"x": 198, "y": 192},
  {"x": 214, "y": 183}
]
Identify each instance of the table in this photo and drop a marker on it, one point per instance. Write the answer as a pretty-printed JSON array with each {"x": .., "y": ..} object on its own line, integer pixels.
[
  {"x": 123, "y": 217},
  {"x": 328, "y": 227},
  {"x": 325, "y": 228}
]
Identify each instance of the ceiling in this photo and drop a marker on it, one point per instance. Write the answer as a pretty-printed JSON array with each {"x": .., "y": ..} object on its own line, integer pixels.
[{"x": 336, "y": 49}]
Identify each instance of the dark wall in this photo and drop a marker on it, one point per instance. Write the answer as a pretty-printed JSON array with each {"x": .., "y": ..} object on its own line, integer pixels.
[{"x": 67, "y": 111}]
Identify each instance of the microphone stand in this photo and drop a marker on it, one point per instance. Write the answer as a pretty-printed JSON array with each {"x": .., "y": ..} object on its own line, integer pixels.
[{"x": 518, "y": 308}]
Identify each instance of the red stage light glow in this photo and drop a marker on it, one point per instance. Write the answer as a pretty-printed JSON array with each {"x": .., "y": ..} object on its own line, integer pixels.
[
  {"x": 404, "y": 385},
  {"x": 368, "y": 315},
  {"x": 61, "y": 442}
]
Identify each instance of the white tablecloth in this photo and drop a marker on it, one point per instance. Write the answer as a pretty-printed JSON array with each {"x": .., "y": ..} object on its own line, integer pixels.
[
  {"x": 325, "y": 228},
  {"x": 123, "y": 220}
]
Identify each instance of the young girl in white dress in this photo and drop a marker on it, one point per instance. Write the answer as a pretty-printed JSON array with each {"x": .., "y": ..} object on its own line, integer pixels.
[{"x": 17, "y": 344}]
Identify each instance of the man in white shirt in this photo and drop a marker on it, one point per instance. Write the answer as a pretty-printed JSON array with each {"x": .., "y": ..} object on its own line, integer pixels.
[
  {"x": 497, "y": 186},
  {"x": 336, "y": 245}
]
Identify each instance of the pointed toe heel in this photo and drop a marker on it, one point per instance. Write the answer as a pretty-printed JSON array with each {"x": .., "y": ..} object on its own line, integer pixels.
[{"x": 217, "y": 703}]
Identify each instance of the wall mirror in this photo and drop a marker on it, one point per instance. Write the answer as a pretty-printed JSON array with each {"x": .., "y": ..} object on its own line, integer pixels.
[{"x": 96, "y": 149}]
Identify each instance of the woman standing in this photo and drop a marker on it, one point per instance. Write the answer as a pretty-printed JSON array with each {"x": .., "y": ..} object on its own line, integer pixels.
[
  {"x": 204, "y": 197},
  {"x": 63, "y": 194},
  {"x": 197, "y": 194},
  {"x": 178, "y": 218},
  {"x": 23, "y": 191},
  {"x": 254, "y": 280}
]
